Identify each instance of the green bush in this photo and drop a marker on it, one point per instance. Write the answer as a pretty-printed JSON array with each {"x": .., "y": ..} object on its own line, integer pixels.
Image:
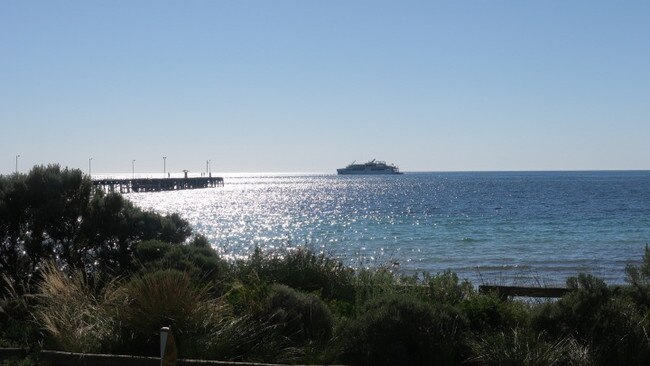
[
  {"x": 246, "y": 295},
  {"x": 639, "y": 279},
  {"x": 576, "y": 312},
  {"x": 114, "y": 227},
  {"x": 403, "y": 330},
  {"x": 441, "y": 288},
  {"x": 622, "y": 336},
  {"x": 609, "y": 322},
  {"x": 270, "y": 323},
  {"x": 297, "y": 316},
  {"x": 305, "y": 271},
  {"x": 377, "y": 283},
  {"x": 488, "y": 313},
  {"x": 446, "y": 287},
  {"x": 200, "y": 261}
]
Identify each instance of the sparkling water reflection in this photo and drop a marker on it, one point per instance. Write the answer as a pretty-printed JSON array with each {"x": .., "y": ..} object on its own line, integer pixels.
[{"x": 521, "y": 227}]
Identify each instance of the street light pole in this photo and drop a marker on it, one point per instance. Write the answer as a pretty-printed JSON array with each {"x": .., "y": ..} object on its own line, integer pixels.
[
  {"x": 89, "y": 171},
  {"x": 210, "y": 168},
  {"x": 133, "y": 169},
  {"x": 164, "y": 166},
  {"x": 17, "y": 156}
]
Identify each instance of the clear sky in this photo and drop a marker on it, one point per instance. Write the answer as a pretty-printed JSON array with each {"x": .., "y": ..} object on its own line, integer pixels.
[{"x": 309, "y": 86}]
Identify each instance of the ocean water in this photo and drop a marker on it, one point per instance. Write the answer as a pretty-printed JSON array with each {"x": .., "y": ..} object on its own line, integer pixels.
[{"x": 489, "y": 227}]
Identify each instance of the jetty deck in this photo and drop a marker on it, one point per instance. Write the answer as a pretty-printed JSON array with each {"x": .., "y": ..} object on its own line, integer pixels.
[{"x": 156, "y": 184}]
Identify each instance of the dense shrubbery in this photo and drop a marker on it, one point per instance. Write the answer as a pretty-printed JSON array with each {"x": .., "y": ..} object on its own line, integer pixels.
[
  {"x": 611, "y": 323},
  {"x": 488, "y": 313},
  {"x": 398, "y": 330},
  {"x": 53, "y": 214},
  {"x": 299, "y": 317},
  {"x": 195, "y": 258},
  {"x": 87, "y": 271},
  {"x": 305, "y": 271}
]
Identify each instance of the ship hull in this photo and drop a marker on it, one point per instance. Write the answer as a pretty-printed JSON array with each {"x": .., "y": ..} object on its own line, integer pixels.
[
  {"x": 366, "y": 172},
  {"x": 372, "y": 167}
]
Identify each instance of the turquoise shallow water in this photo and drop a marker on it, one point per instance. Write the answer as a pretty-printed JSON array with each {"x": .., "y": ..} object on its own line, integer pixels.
[{"x": 509, "y": 227}]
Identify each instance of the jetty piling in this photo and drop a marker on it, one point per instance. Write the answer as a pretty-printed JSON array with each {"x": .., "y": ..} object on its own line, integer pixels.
[{"x": 156, "y": 184}]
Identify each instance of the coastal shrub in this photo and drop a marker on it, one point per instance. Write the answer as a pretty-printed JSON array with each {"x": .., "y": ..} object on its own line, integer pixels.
[
  {"x": 489, "y": 313},
  {"x": 116, "y": 227},
  {"x": 297, "y": 316},
  {"x": 610, "y": 323},
  {"x": 39, "y": 219},
  {"x": 377, "y": 283},
  {"x": 151, "y": 251},
  {"x": 521, "y": 347},
  {"x": 77, "y": 317},
  {"x": 246, "y": 294},
  {"x": 269, "y": 323},
  {"x": 304, "y": 270},
  {"x": 446, "y": 287},
  {"x": 196, "y": 258},
  {"x": 576, "y": 312},
  {"x": 403, "y": 330},
  {"x": 639, "y": 279},
  {"x": 623, "y": 335},
  {"x": 616, "y": 334}
]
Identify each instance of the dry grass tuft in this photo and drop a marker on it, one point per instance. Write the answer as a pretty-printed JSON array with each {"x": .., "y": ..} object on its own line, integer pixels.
[{"x": 78, "y": 317}]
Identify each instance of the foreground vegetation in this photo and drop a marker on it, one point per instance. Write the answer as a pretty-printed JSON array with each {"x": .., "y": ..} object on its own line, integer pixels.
[{"x": 86, "y": 271}]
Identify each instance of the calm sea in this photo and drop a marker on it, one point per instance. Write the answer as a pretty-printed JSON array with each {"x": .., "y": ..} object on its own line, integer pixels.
[{"x": 503, "y": 227}]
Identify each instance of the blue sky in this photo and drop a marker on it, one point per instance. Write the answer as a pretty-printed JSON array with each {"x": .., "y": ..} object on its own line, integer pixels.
[{"x": 309, "y": 86}]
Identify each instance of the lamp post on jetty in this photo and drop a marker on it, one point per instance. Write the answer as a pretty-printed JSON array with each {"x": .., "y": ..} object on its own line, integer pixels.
[
  {"x": 89, "y": 171},
  {"x": 210, "y": 168},
  {"x": 133, "y": 169},
  {"x": 17, "y": 156},
  {"x": 164, "y": 166}
]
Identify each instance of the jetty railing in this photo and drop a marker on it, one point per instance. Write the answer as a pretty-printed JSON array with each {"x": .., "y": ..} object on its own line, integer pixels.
[{"x": 126, "y": 185}]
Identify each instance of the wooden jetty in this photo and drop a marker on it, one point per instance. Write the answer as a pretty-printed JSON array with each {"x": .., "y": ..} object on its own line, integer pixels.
[{"x": 156, "y": 184}]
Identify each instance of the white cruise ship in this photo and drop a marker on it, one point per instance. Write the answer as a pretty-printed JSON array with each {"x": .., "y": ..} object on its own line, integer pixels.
[{"x": 371, "y": 167}]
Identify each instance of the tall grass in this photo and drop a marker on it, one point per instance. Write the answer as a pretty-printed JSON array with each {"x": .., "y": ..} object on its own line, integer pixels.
[
  {"x": 166, "y": 298},
  {"x": 403, "y": 330},
  {"x": 78, "y": 318},
  {"x": 270, "y": 323},
  {"x": 249, "y": 338},
  {"x": 520, "y": 347}
]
